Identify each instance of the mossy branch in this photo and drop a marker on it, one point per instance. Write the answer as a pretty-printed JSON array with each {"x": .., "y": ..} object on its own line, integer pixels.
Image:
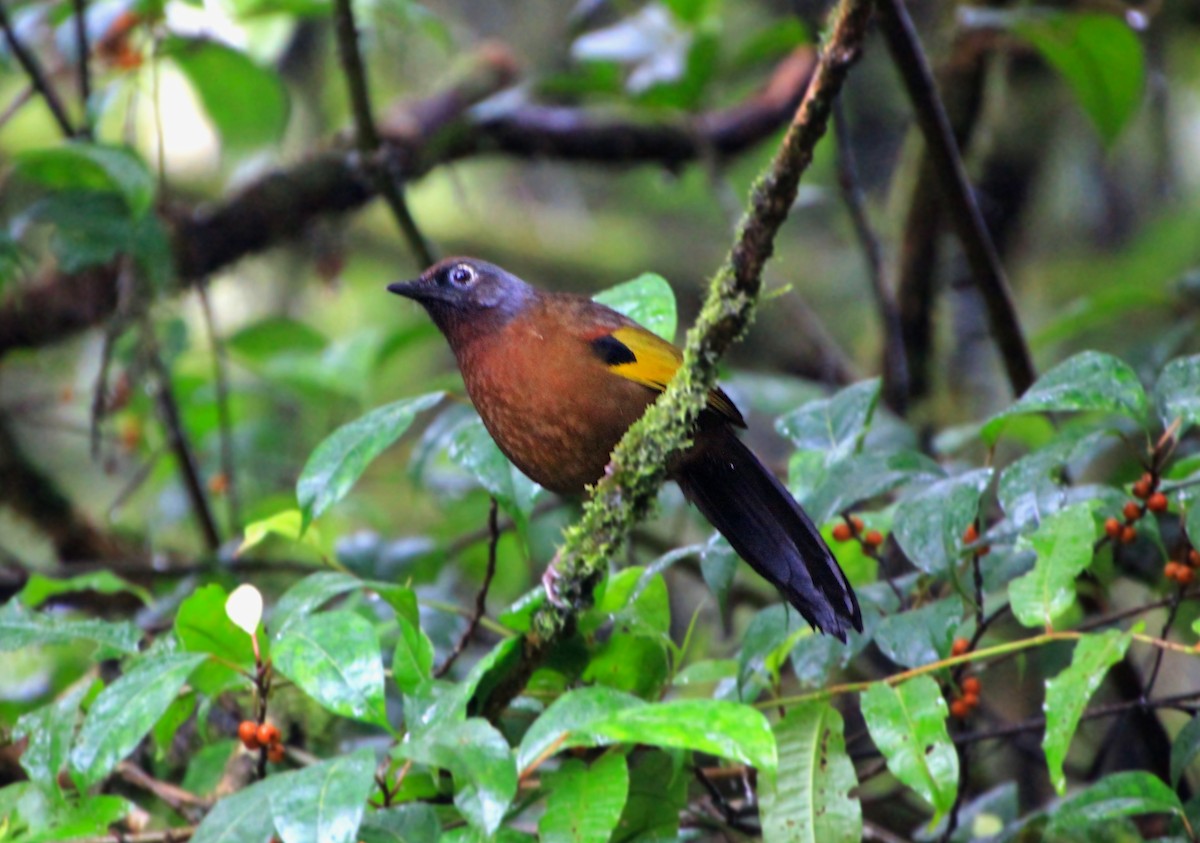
[{"x": 638, "y": 466}]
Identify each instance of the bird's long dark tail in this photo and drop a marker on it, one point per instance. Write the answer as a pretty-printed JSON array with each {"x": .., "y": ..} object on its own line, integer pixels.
[{"x": 767, "y": 528}]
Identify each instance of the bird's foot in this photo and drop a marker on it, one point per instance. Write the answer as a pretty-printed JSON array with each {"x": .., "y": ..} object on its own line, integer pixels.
[{"x": 550, "y": 584}]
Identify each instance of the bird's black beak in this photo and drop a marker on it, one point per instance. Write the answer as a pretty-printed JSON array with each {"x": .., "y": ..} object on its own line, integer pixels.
[{"x": 413, "y": 289}]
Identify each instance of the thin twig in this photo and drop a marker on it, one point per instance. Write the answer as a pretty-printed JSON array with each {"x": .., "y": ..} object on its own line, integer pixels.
[
  {"x": 368, "y": 138},
  {"x": 168, "y": 409},
  {"x": 33, "y": 70},
  {"x": 224, "y": 422},
  {"x": 24, "y": 96},
  {"x": 965, "y": 217},
  {"x": 894, "y": 364},
  {"x": 83, "y": 64},
  {"x": 480, "y": 597}
]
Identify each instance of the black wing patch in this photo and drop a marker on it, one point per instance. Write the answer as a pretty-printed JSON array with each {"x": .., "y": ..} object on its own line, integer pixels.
[{"x": 612, "y": 351}]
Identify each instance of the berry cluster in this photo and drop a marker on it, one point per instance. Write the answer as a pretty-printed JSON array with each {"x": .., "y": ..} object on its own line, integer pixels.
[
  {"x": 968, "y": 699},
  {"x": 1146, "y": 490},
  {"x": 255, "y": 736},
  {"x": 852, "y": 528},
  {"x": 1183, "y": 572},
  {"x": 970, "y": 536}
]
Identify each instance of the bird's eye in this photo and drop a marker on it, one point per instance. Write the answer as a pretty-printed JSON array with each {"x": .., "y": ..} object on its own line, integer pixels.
[{"x": 462, "y": 275}]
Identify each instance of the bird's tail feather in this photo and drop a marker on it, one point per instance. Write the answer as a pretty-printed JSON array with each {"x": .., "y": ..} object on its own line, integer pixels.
[{"x": 768, "y": 529}]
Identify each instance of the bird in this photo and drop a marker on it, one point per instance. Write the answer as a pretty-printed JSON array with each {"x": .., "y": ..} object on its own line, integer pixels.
[{"x": 558, "y": 378}]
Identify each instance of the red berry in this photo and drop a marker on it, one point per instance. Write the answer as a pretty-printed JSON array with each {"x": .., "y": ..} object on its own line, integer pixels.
[
  {"x": 1170, "y": 570},
  {"x": 972, "y": 701},
  {"x": 1157, "y": 502},
  {"x": 1141, "y": 489},
  {"x": 959, "y": 709},
  {"x": 1112, "y": 528},
  {"x": 1128, "y": 534},
  {"x": 960, "y": 647},
  {"x": 275, "y": 753},
  {"x": 268, "y": 734},
  {"x": 970, "y": 685},
  {"x": 841, "y": 532},
  {"x": 1132, "y": 511},
  {"x": 248, "y": 734},
  {"x": 857, "y": 522},
  {"x": 1194, "y": 558},
  {"x": 1184, "y": 575},
  {"x": 873, "y": 538},
  {"x": 970, "y": 535}
]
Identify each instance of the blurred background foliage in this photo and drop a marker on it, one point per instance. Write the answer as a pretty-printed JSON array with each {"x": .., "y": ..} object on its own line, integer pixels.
[{"x": 1080, "y": 124}]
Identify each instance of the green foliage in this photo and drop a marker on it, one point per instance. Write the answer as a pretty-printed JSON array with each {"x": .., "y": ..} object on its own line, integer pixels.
[{"x": 1063, "y": 544}]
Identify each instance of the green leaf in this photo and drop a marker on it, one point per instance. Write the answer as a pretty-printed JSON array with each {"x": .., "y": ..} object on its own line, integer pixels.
[
  {"x": 91, "y": 167},
  {"x": 658, "y": 785},
  {"x": 1063, "y": 544},
  {"x": 1034, "y": 486},
  {"x": 412, "y": 662},
  {"x": 1088, "y": 382},
  {"x": 38, "y": 589},
  {"x": 334, "y": 658},
  {"x": 19, "y": 627},
  {"x": 1100, "y": 57},
  {"x": 908, "y": 724},
  {"x": 765, "y": 646},
  {"x": 647, "y": 300},
  {"x": 242, "y": 817},
  {"x": 261, "y": 341},
  {"x": 585, "y": 718},
  {"x": 1177, "y": 393},
  {"x": 1115, "y": 795},
  {"x": 340, "y": 460},
  {"x": 481, "y": 761},
  {"x": 835, "y": 425},
  {"x": 920, "y": 636},
  {"x": 1184, "y": 749},
  {"x": 584, "y": 803},
  {"x": 287, "y": 524},
  {"x": 826, "y": 490},
  {"x": 809, "y": 801},
  {"x": 634, "y": 663},
  {"x": 202, "y": 626},
  {"x": 247, "y": 104},
  {"x": 930, "y": 524},
  {"x": 472, "y": 448},
  {"x": 177, "y": 713},
  {"x": 125, "y": 711},
  {"x": 1067, "y": 695},
  {"x": 324, "y": 803},
  {"x": 319, "y": 588},
  {"x": 413, "y": 823},
  {"x": 49, "y": 730},
  {"x": 573, "y": 711}
]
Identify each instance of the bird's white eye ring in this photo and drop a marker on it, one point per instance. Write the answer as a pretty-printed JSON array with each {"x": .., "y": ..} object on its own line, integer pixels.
[{"x": 462, "y": 275}]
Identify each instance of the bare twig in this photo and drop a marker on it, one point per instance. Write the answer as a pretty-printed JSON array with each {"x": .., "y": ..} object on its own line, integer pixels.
[
  {"x": 22, "y": 97},
  {"x": 901, "y": 38},
  {"x": 368, "y": 138},
  {"x": 168, "y": 409},
  {"x": 83, "y": 63},
  {"x": 188, "y": 805},
  {"x": 894, "y": 364},
  {"x": 33, "y": 70},
  {"x": 480, "y": 597}
]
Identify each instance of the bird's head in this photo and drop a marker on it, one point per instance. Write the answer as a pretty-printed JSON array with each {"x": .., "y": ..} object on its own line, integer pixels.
[{"x": 465, "y": 296}]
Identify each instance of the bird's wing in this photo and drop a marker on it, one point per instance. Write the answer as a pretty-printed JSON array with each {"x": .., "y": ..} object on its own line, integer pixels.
[{"x": 643, "y": 357}]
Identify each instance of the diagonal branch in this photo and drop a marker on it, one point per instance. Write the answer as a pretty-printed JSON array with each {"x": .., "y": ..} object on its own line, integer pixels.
[
  {"x": 965, "y": 217},
  {"x": 33, "y": 70},
  {"x": 638, "y": 465}
]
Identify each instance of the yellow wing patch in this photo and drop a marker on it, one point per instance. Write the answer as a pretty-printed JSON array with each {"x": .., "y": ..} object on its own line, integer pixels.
[{"x": 655, "y": 362}]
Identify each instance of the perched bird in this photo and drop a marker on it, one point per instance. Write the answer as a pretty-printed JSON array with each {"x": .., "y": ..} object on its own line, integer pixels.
[{"x": 558, "y": 378}]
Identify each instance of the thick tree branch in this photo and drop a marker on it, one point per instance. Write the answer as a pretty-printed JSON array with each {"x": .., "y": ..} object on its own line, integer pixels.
[
  {"x": 638, "y": 465},
  {"x": 418, "y": 137},
  {"x": 965, "y": 217}
]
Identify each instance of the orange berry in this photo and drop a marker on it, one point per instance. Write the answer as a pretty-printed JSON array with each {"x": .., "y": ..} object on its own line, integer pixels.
[
  {"x": 248, "y": 734},
  {"x": 1112, "y": 528},
  {"x": 970, "y": 685},
  {"x": 218, "y": 484},
  {"x": 1128, "y": 534},
  {"x": 857, "y": 522},
  {"x": 959, "y": 709},
  {"x": 1157, "y": 502},
  {"x": 1184, "y": 575},
  {"x": 983, "y": 551},
  {"x": 972, "y": 701},
  {"x": 960, "y": 647},
  {"x": 1132, "y": 511},
  {"x": 1194, "y": 558},
  {"x": 841, "y": 532},
  {"x": 971, "y": 534},
  {"x": 873, "y": 538},
  {"x": 268, "y": 734},
  {"x": 276, "y": 753},
  {"x": 1170, "y": 570},
  {"x": 129, "y": 431},
  {"x": 1141, "y": 489}
]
